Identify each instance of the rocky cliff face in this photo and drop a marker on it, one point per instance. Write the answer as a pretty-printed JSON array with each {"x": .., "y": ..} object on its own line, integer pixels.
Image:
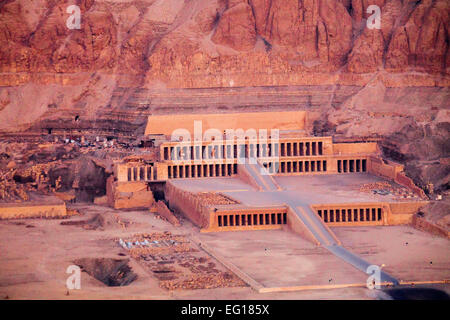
[
  {"x": 139, "y": 37},
  {"x": 390, "y": 82}
]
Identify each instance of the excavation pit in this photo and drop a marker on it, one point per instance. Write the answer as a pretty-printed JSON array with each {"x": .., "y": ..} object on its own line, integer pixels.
[{"x": 112, "y": 272}]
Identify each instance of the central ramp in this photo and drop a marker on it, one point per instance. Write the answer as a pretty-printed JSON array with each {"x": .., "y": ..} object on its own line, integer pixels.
[
  {"x": 314, "y": 226},
  {"x": 325, "y": 237},
  {"x": 358, "y": 263},
  {"x": 319, "y": 230},
  {"x": 253, "y": 173}
]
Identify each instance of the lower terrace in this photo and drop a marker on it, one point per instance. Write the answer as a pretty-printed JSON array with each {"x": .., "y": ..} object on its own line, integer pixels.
[{"x": 334, "y": 197}]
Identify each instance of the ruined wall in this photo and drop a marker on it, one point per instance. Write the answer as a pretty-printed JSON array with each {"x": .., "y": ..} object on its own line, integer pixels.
[
  {"x": 378, "y": 167},
  {"x": 399, "y": 213},
  {"x": 394, "y": 172},
  {"x": 128, "y": 195},
  {"x": 424, "y": 225},
  {"x": 406, "y": 207},
  {"x": 32, "y": 210},
  {"x": 403, "y": 180}
]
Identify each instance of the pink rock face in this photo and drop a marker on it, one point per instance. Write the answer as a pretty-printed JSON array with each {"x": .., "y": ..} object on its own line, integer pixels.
[
  {"x": 52, "y": 47},
  {"x": 236, "y": 28},
  {"x": 422, "y": 42},
  {"x": 338, "y": 31},
  {"x": 127, "y": 38},
  {"x": 367, "y": 52},
  {"x": 359, "y": 10},
  {"x": 209, "y": 43}
]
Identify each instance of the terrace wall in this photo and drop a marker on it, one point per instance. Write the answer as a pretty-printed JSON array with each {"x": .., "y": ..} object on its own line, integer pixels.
[
  {"x": 368, "y": 214},
  {"x": 355, "y": 148},
  {"x": 403, "y": 212},
  {"x": 128, "y": 195},
  {"x": 32, "y": 210},
  {"x": 239, "y": 218},
  {"x": 186, "y": 203},
  {"x": 167, "y": 124},
  {"x": 427, "y": 226}
]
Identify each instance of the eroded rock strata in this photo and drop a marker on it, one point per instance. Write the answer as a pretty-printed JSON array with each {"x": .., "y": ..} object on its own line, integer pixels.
[{"x": 135, "y": 58}]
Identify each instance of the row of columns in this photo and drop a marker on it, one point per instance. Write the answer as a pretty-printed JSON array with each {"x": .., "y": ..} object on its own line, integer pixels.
[
  {"x": 295, "y": 149},
  {"x": 245, "y": 150},
  {"x": 351, "y": 215},
  {"x": 301, "y": 166},
  {"x": 202, "y": 170},
  {"x": 140, "y": 173},
  {"x": 219, "y": 151},
  {"x": 352, "y": 165},
  {"x": 255, "y": 219}
]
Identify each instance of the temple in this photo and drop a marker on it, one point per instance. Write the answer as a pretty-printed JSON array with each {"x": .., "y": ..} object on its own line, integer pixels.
[{"x": 266, "y": 153}]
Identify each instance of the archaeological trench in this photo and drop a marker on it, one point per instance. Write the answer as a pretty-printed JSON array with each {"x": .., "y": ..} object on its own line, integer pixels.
[{"x": 223, "y": 148}]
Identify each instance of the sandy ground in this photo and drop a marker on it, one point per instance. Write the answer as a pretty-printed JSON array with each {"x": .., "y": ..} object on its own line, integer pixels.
[
  {"x": 35, "y": 253},
  {"x": 288, "y": 260},
  {"x": 408, "y": 254}
]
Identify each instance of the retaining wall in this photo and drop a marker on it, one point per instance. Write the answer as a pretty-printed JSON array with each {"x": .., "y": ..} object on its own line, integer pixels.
[
  {"x": 186, "y": 203},
  {"x": 32, "y": 210},
  {"x": 393, "y": 171},
  {"x": 427, "y": 226},
  {"x": 355, "y": 148}
]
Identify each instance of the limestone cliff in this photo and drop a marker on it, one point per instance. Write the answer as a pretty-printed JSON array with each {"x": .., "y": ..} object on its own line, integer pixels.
[
  {"x": 174, "y": 39},
  {"x": 130, "y": 57}
]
